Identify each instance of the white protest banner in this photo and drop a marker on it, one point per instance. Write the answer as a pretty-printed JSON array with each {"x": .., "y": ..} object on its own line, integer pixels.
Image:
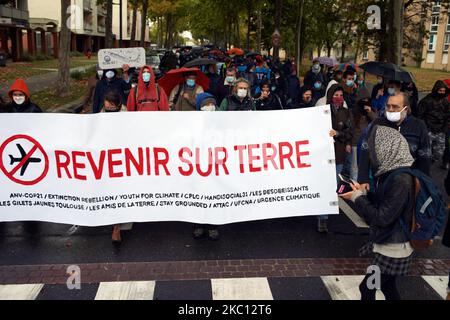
[
  {"x": 200, "y": 167},
  {"x": 115, "y": 58}
]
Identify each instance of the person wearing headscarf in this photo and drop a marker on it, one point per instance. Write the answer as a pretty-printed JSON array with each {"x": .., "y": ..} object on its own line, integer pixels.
[
  {"x": 392, "y": 205},
  {"x": 306, "y": 98}
]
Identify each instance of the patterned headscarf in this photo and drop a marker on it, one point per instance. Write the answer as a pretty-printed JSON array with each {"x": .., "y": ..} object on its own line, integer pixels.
[{"x": 389, "y": 150}]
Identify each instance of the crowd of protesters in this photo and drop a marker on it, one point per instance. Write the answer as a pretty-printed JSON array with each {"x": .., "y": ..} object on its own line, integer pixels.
[{"x": 389, "y": 124}]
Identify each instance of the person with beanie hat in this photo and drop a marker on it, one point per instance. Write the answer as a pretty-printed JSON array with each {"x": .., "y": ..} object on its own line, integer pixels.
[
  {"x": 206, "y": 102},
  {"x": 20, "y": 99},
  {"x": 391, "y": 207}
]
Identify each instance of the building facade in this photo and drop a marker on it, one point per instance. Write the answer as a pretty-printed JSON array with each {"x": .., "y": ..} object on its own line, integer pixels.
[{"x": 32, "y": 26}]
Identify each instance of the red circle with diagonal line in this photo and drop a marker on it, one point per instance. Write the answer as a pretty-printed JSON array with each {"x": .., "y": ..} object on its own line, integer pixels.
[{"x": 36, "y": 146}]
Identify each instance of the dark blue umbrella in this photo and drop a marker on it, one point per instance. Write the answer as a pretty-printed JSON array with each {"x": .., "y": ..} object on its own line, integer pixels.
[{"x": 388, "y": 71}]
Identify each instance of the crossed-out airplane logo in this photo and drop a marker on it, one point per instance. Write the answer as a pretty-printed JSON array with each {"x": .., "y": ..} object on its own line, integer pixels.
[{"x": 23, "y": 160}]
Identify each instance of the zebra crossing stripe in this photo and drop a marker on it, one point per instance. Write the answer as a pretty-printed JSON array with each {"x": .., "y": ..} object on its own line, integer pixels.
[
  {"x": 139, "y": 290},
  {"x": 241, "y": 289},
  {"x": 439, "y": 284},
  {"x": 20, "y": 291},
  {"x": 346, "y": 287}
]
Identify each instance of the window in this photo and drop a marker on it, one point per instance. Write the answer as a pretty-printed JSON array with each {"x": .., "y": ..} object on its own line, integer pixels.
[
  {"x": 432, "y": 42},
  {"x": 366, "y": 55},
  {"x": 434, "y": 23},
  {"x": 436, "y": 7},
  {"x": 446, "y": 42}
]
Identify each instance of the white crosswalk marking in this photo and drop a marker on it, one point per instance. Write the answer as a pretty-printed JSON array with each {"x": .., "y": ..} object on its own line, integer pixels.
[
  {"x": 345, "y": 287},
  {"x": 140, "y": 290},
  {"x": 439, "y": 284},
  {"x": 20, "y": 291},
  {"x": 241, "y": 289}
]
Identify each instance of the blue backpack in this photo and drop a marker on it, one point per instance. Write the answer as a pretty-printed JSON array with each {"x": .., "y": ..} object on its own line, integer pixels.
[{"x": 429, "y": 213}]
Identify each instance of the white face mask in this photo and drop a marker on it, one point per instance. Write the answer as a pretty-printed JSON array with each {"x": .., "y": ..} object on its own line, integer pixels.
[
  {"x": 19, "y": 99},
  {"x": 209, "y": 107},
  {"x": 110, "y": 74},
  {"x": 242, "y": 93},
  {"x": 391, "y": 91},
  {"x": 100, "y": 74},
  {"x": 380, "y": 81},
  {"x": 395, "y": 117}
]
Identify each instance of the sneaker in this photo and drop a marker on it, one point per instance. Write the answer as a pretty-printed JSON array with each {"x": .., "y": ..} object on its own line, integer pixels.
[
  {"x": 322, "y": 226},
  {"x": 198, "y": 233},
  {"x": 213, "y": 234}
]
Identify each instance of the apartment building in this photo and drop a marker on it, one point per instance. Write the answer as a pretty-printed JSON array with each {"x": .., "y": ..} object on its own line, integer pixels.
[{"x": 32, "y": 26}]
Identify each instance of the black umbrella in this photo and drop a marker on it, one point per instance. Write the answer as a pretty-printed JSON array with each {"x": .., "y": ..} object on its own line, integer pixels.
[
  {"x": 200, "y": 62},
  {"x": 252, "y": 54},
  {"x": 388, "y": 71}
]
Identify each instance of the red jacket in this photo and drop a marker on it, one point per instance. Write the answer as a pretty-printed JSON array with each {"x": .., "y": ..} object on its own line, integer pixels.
[
  {"x": 19, "y": 85},
  {"x": 146, "y": 98}
]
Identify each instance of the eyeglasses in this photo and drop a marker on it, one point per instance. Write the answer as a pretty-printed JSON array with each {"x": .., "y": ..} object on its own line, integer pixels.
[{"x": 394, "y": 107}]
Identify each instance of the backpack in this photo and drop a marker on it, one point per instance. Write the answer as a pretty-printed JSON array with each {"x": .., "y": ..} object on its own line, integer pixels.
[
  {"x": 429, "y": 212},
  {"x": 141, "y": 101}
]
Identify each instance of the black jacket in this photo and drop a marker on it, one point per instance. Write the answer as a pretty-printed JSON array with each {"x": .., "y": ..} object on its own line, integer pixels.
[
  {"x": 383, "y": 210},
  {"x": 273, "y": 102},
  {"x": 116, "y": 84},
  {"x": 434, "y": 111},
  {"x": 26, "y": 107},
  {"x": 415, "y": 132}
]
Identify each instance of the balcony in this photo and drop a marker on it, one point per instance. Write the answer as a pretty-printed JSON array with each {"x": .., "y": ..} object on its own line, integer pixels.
[
  {"x": 87, "y": 27},
  {"x": 101, "y": 29},
  {"x": 87, "y": 5},
  {"x": 13, "y": 13}
]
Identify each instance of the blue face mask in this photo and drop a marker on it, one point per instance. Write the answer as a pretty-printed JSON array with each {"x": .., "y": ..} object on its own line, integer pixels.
[
  {"x": 190, "y": 82},
  {"x": 350, "y": 83},
  {"x": 317, "y": 85},
  {"x": 146, "y": 76}
]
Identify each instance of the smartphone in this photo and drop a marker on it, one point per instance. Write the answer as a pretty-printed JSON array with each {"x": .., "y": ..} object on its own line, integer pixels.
[{"x": 344, "y": 184}]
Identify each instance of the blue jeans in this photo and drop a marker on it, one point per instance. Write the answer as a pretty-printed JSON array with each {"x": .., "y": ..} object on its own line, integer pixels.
[{"x": 339, "y": 168}]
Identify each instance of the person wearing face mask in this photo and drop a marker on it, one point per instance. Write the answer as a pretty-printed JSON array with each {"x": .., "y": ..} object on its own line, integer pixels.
[
  {"x": 267, "y": 100},
  {"x": 147, "y": 95},
  {"x": 226, "y": 86},
  {"x": 379, "y": 103},
  {"x": 240, "y": 99},
  {"x": 434, "y": 111},
  {"x": 206, "y": 102},
  {"x": 20, "y": 99},
  {"x": 314, "y": 75},
  {"x": 92, "y": 83},
  {"x": 398, "y": 116},
  {"x": 319, "y": 91},
  {"x": 184, "y": 96},
  {"x": 350, "y": 88},
  {"x": 111, "y": 81},
  {"x": 342, "y": 134}
]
